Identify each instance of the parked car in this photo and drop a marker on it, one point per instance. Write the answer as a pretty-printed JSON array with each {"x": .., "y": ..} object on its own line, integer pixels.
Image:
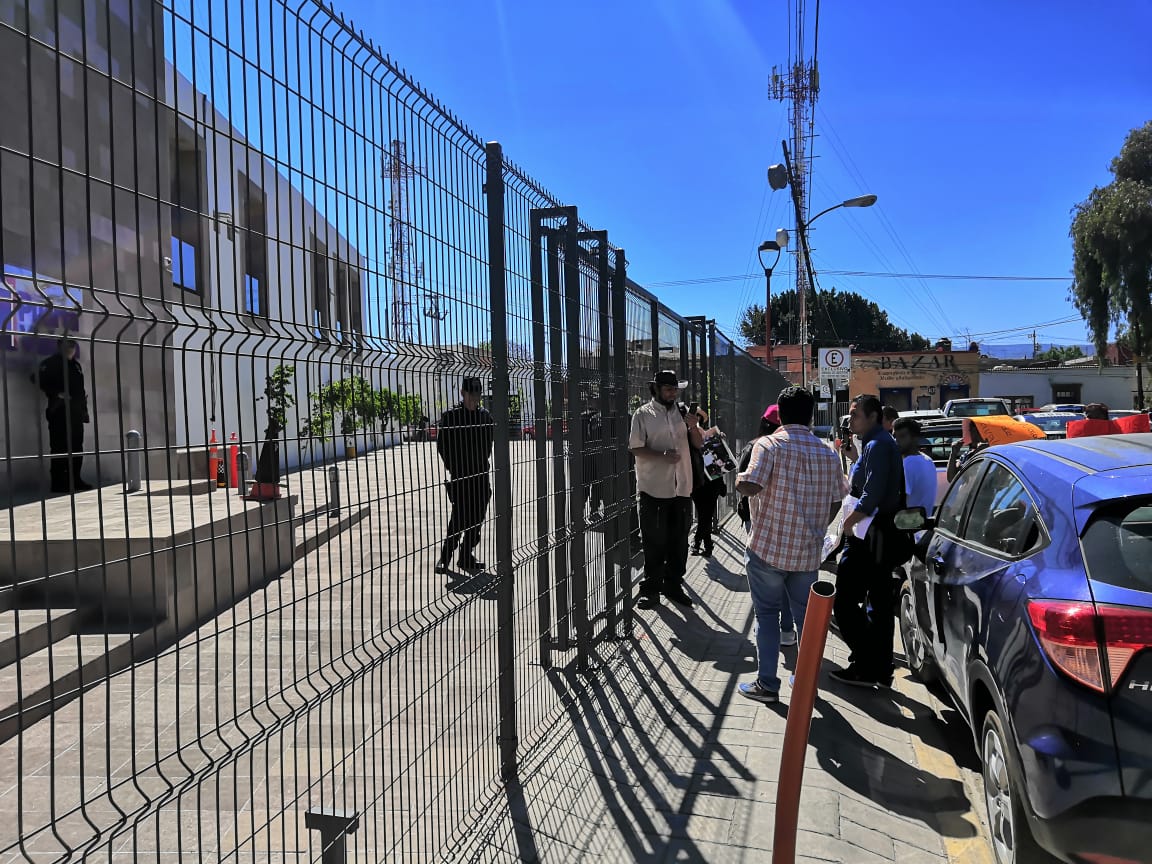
[
  {"x": 936, "y": 440},
  {"x": 1054, "y": 423},
  {"x": 530, "y": 429},
  {"x": 1031, "y": 602},
  {"x": 976, "y": 407},
  {"x": 1118, "y": 413},
  {"x": 923, "y": 415},
  {"x": 1074, "y": 407}
]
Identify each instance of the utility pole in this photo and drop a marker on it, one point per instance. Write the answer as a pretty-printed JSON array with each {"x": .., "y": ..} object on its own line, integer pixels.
[
  {"x": 402, "y": 274},
  {"x": 799, "y": 84},
  {"x": 1035, "y": 346}
]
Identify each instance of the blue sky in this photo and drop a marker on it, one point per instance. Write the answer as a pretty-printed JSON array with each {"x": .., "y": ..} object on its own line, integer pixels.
[{"x": 979, "y": 125}]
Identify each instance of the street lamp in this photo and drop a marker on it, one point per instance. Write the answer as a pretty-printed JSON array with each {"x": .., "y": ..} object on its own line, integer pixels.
[
  {"x": 778, "y": 245},
  {"x": 858, "y": 201}
]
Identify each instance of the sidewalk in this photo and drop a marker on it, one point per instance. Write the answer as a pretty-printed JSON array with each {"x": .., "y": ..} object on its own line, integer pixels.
[{"x": 661, "y": 759}]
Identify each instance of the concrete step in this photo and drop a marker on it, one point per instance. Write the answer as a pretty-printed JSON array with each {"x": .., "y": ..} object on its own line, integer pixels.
[
  {"x": 23, "y": 632},
  {"x": 55, "y": 675}
]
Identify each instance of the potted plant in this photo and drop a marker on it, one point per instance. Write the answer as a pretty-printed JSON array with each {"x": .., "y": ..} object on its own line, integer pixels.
[
  {"x": 278, "y": 393},
  {"x": 342, "y": 407}
]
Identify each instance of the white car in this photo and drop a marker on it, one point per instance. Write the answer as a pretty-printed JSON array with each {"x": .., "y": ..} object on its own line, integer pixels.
[{"x": 1054, "y": 423}]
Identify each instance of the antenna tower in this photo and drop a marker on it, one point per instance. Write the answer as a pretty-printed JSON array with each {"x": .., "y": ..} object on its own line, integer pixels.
[
  {"x": 799, "y": 84},
  {"x": 403, "y": 272}
]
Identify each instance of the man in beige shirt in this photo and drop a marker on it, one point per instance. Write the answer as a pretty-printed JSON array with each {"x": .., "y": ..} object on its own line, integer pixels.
[{"x": 659, "y": 440}]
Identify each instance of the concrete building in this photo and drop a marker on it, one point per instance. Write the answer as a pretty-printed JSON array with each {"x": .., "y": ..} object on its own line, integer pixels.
[
  {"x": 1115, "y": 386},
  {"x": 917, "y": 380},
  {"x": 138, "y": 220}
]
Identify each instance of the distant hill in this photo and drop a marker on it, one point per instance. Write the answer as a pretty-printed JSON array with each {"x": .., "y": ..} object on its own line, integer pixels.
[{"x": 1023, "y": 350}]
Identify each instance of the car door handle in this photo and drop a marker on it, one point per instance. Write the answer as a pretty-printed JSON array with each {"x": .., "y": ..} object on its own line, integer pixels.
[{"x": 937, "y": 564}]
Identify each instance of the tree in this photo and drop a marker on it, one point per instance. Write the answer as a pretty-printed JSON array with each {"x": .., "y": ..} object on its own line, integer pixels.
[
  {"x": 350, "y": 400},
  {"x": 835, "y": 318},
  {"x": 1060, "y": 354},
  {"x": 1112, "y": 252}
]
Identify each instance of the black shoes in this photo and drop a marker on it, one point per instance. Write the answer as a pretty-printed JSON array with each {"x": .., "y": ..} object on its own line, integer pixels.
[
  {"x": 854, "y": 677},
  {"x": 695, "y": 549},
  {"x": 677, "y": 596},
  {"x": 471, "y": 564},
  {"x": 648, "y": 601}
]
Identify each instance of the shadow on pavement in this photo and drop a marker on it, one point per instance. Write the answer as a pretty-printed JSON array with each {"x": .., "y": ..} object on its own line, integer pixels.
[
  {"x": 629, "y": 721},
  {"x": 886, "y": 780}
]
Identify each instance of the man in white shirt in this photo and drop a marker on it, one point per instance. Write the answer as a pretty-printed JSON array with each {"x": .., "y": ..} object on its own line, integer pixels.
[
  {"x": 659, "y": 441},
  {"x": 919, "y": 470}
]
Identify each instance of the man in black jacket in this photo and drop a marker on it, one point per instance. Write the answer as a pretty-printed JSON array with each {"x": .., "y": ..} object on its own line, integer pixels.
[
  {"x": 863, "y": 605},
  {"x": 464, "y": 442},
  {"x": 62, "y": 381}
]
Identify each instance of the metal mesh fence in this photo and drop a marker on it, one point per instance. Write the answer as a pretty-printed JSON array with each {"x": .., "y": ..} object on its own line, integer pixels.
[{"x": 244, "y": 613}]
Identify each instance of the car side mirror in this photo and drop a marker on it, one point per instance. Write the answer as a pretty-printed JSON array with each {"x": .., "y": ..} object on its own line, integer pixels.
[{"x": 913, "y": 519}]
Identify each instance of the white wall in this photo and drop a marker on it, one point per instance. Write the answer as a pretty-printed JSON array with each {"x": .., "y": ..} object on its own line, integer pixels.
[{"x": 1115, "y": 386}]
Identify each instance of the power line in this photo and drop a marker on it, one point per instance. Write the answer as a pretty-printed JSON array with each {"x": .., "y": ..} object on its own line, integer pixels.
[{"x": 872, "y": 274}]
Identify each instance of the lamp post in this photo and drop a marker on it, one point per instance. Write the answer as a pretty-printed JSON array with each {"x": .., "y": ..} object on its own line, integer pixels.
[
  {"x": 778, "y": 246},
  {"x": 780, "y": 176}
]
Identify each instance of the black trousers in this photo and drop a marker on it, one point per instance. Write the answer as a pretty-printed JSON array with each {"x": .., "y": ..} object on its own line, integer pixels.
[
  {"x": 863, "y": 581},
  {"x": 664, "y": 527},
  {"x": 65, "y": 436},
  {"x": 469, "y": 497},
  {"x": 705, "y": 499}
]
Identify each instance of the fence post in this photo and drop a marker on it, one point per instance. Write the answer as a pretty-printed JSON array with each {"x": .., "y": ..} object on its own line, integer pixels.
[
  {"x": 540, "y": 444},
  {"x": 132, "y": 461},
  {"x": 655, "y": 337},
  {"x": 502, "y": 462},
  {"x": 334, "y": 826},
  {"x": 333, "y": 492},
  {"x": 622, "y": 462},
  {"x": 562, "y": 482},
  {"x": 242, "y": 473},
  {"x": 573, "y": 296}
]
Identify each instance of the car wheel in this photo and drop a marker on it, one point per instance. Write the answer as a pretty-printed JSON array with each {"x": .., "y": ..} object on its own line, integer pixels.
[
  {"x": 1012, "y": 841},
  {"x": 917, "y": 651}
]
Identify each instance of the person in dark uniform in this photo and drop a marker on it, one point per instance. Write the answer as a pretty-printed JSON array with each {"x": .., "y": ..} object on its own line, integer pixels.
[
  {"x": 464, "y": 442},
  {"x": 62, "y": 381}
]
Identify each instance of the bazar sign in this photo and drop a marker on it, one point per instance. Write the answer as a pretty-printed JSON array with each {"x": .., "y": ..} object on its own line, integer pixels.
[{"x": 923, "y": 361}]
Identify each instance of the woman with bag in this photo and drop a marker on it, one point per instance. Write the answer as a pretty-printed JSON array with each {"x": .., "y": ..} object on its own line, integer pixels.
[{"x": 706, "y": 490}]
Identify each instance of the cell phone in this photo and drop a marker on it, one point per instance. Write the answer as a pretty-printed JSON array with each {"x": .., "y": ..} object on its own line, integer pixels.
[{"x": 693, "y": 407}]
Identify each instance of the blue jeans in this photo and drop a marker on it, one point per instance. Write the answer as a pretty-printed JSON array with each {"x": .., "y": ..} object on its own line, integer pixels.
[
  {"x": 787, "y": 625},
  {"x": 772, "y": 591}
]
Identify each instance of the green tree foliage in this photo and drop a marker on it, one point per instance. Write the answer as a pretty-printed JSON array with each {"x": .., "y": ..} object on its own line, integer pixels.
[
  {"x": 835, "y": 318},
  {"x": 1060, "y": 354},
  {"x": 1112, "y": 249},
  {"x": 351, "y": 404},
  {"x": 278, "y": 393}
]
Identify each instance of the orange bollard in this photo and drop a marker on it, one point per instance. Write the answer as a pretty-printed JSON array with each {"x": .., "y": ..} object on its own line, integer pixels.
[
  {"x": 233, "y": 462},
  {"x": 213, "y": 458},
  {"x": 800, "y": 720}
]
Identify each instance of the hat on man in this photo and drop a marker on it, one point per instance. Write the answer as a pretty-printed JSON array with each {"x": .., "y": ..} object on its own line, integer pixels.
[
  {"x": 772, "y": 414},
  {"x": 472, "y": 385},
  {"x": 667, "y": 378}
]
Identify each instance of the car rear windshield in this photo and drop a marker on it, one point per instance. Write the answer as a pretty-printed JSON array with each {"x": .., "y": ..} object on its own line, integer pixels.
[
  {"x": 1118, "y": 545},
  {"x": 979, "y": 409},
  {"x": 936, "y": 444},
  {"x": 1052, "y": 424}
]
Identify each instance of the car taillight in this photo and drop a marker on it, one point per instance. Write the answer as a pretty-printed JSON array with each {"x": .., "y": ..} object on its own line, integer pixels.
[{"x": 1088, "y": 642}]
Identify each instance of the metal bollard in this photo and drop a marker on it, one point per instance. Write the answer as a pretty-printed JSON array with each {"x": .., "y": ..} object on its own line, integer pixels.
[
  {"x": 333, "y": 492},
  {"x": 242, "y": 473},
  {"x": 334, "y": 827},
  {"x": 132, "y": 461}
]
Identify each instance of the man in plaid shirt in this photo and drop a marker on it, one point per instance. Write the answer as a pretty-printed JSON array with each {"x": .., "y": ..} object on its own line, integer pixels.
[{"x": 791, "y": 481}]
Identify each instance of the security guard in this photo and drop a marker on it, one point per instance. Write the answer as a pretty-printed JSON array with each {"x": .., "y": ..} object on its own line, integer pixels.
[
  {"x": 62, "y": 381},
  {"x": 464, "y": 442}
]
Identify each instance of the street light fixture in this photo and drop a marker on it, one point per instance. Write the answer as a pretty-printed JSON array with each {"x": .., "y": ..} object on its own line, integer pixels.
[
  {"x": 778, "y": 245},
  {"x": 858, "y": 201}
]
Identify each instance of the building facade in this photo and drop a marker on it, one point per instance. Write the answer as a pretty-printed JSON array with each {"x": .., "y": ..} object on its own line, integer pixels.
[
  {"x": 916, "y": 380},
  {"x": 1115, "y": 386}
]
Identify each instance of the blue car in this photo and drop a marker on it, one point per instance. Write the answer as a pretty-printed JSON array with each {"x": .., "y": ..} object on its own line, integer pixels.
[{"x": 1030, "y": 601}]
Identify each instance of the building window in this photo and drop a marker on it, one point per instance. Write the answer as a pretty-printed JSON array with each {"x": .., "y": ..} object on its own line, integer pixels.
[
  {"x": 342, "y": 321},
  {"x": 321, "y": 297},
  {"x": 781, "y": 363},
  {"x": 1066, "y": 393},
  {"x": 255, "y": 224},
  {"x": 355, "y": 302},
  {"x": 187, "y": 205}
]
